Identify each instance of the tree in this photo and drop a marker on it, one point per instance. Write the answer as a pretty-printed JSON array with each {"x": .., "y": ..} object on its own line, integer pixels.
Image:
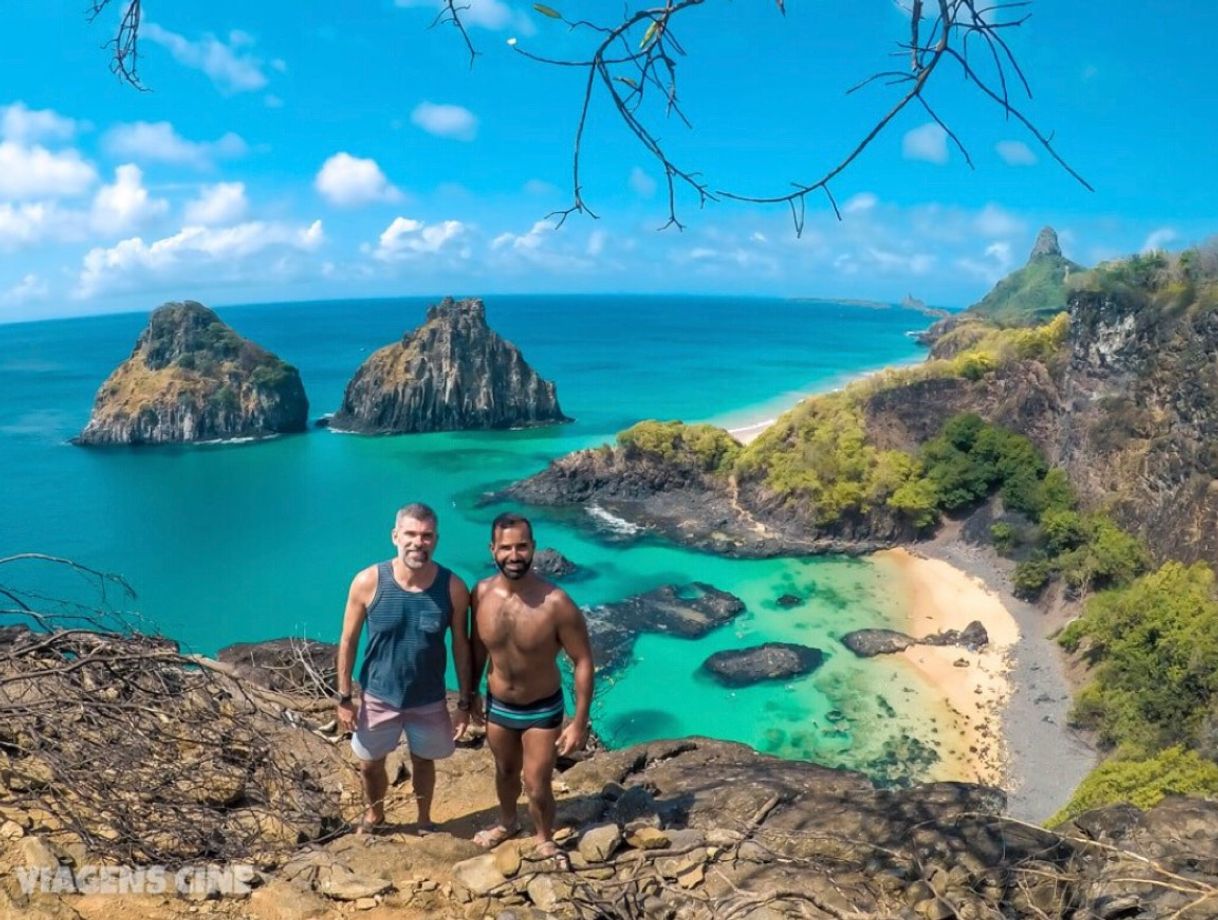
[{"x": 632, "y": 60}]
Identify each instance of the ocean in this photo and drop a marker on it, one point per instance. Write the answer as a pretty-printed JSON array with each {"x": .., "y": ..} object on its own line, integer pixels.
[{"x": 241, "y": 542}]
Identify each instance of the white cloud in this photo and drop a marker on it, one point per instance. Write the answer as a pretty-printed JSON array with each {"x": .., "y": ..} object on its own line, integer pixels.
[
  {"x": 34, "y": 172},
  {"x": 543, "y": 247},
  {"x": 349, "y": 181},
  {"x": 29, "y": 223},
  {"x": 525, "y": 241},
  {"x": 452, "y": 121},
  {"x": 929, "y": 143},
  {"x": 493, "y": 15},
  {"x": 596, "y": 242},
  {"x": 159, "y": 142},
  {"x": 405, "y": 238},
  {"x": 995, "y": 221},
  {"x": 193, "y": 256},
  {"x": 993, "y": 267},
  {"x": 231, "y": 66},
  {"x": 271, "y": 101},
  {"x": 25, "y": 125},
  {"x": 540, "y": 188},
  {"x": 1159, "y": 239},
  {"x": 1016, "y": 153},
  {"x": 221, "y": 203},
  {"x": 125, "y": 205},
  {"x": 860, "y": 203},
  {"x": 29, "y": 289},
  {"x": 644, "y": 186}
]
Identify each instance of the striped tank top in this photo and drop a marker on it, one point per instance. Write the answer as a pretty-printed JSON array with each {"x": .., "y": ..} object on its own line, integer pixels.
[{"x": 405, "y": 658}]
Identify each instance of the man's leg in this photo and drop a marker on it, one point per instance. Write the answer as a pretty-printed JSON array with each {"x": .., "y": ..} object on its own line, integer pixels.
[
  {"x": 376, "y": 783},
  {"x": 505, "y": 746},
  {"x": 539, "y": 757},
  {"x": 424, "y": 781}
]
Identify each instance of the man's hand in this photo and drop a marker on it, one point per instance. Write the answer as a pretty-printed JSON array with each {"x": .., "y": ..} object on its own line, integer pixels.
[
  {"x": 460, "y": 723},
  {"x": 573, "y": 738},
  {"x": 346, "y": 713}
]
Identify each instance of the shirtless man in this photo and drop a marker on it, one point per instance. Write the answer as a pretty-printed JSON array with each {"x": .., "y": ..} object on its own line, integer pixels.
[
  {"x": 521, "y": 622},
  {"x": 408, "y": 603}
]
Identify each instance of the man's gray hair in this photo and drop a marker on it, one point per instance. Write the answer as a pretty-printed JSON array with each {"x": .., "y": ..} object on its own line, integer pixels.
[{"x": 418, "y": 511}]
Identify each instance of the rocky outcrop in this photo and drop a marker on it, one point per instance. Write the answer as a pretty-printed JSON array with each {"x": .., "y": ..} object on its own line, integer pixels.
[
  {"x": 867, "y": 643},
  {"x": 687, "y": 611},
  {"x": 453, "y": 373},
  {"x": 550, "y": 563},
  {"x": 680, "y": 502},
  {"x": 289, "y": 665},
  {"x": 192, "y": 378},
  {"x": 769, "y": 661}
]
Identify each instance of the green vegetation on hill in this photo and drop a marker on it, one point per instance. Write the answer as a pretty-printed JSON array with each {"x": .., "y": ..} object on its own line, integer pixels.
[
  {"x": 1028, "y": 295},
  {"x": 704, "y": 448},
  {"x": 1143, "y": 783},
  {"x": 1158, "y": 282}
]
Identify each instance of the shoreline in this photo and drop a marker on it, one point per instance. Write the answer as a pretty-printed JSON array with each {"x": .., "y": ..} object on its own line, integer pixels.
[
  {"x": 1042, "y": 758},
  {"x": 970, "y": 688},
  {"x": 755, "y": 421}
]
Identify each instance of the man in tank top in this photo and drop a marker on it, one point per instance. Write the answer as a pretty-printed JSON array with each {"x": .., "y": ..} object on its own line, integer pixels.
[
  {"x": 521, "y": 623},
  {"x": 406, "y": 605}
]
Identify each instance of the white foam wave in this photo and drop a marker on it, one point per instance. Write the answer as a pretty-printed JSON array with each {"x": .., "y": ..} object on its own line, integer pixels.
[{"x": 612, "y": 521}]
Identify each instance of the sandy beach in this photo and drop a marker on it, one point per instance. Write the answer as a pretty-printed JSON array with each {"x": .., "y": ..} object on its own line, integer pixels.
[{"x": 973, "y": 686}]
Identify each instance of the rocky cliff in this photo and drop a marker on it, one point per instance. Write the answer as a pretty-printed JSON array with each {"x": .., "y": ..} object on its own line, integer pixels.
[
  {"x": 450, "y": 374},
  {"x": 1127, "y": 404},
  {"x": 192, "y": 378}
]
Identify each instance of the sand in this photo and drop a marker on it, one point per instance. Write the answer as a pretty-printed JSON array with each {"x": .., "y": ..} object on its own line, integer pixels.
[{"x": 972, "y": 687}]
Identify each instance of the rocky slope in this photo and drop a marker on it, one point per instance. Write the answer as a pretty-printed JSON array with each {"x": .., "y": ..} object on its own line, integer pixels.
[
  {"x": 1031, "y": 294},
  {"x": 192, "y": 378},
  {"x": 1127, "y": 405},
  {"x": 452, "y": 373}
]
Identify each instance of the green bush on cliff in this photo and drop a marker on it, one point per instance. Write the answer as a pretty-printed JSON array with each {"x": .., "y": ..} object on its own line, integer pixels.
[
  {"x": 1143, "y": 783},
  {"x": 703, "y": 447},
  {"x": 1031, "y": 577},
  {"x": 1106, "y": 556},
  {"x": 1155, "y": 644}
]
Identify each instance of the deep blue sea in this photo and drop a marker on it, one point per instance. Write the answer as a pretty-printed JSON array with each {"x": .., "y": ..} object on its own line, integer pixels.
[{"x": 241, "y": 542}]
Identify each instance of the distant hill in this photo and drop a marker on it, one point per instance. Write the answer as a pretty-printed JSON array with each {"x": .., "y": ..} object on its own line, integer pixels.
[{"x": 1033, "y": 294}]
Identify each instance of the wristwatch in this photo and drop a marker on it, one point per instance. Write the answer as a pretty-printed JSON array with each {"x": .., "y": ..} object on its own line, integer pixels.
[{"x": 344, "y": 699}]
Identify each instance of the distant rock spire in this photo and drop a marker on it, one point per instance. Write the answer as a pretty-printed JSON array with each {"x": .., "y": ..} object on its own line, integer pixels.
[{"x": 1046, "y": 244}]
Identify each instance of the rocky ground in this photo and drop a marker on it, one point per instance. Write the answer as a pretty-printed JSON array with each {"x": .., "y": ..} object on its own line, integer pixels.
[{"x": 699, "y": 828}]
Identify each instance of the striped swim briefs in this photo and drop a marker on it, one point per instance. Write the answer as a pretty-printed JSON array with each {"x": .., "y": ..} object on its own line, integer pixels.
[{"x": 544, "y": 713}]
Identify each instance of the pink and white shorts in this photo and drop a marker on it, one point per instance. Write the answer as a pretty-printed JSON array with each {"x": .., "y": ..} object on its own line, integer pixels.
[{"x": 379, "y": 727}]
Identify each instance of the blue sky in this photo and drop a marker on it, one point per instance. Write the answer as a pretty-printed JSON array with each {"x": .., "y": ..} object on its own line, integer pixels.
[{"x": 284, "y": 152}]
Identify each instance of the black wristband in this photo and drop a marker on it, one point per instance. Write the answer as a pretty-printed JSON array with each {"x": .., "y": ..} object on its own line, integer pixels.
[
  {"x": 465, "y": 705},
  {"x": 344, "y": 698}
]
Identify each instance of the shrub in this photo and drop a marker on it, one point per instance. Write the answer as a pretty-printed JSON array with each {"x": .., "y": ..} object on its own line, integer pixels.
[
  {"x": 1003, "y": 535},
  {"x": 1030, "y": 578},
  {"x": 703, "y": 447},
  {"x": 1157, "y": 646},
  {"x": 1142, "y": 783}
]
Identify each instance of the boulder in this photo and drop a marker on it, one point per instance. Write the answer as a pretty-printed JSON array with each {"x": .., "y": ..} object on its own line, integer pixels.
[
  {"x": 770, "y": 661},
  {"x": 787, "y": 601},
  {"x": 550, "y": 563},
  {"x": 867, "y": 643},
  {"x": 287, "y": 665},
  {"x": 452, "y": 373},
  {"x": 687, "y": 611},
  {"x": 190, "y": 378}
]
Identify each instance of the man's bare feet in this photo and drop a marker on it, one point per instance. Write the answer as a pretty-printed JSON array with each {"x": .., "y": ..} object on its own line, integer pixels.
[
  {"x": 550, "y": 850},
  {"x": 494, "y": 835}
]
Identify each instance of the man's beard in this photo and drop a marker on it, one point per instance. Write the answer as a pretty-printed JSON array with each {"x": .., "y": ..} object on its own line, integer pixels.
[
  {"x": 415, "y": 563},
  {"x": 516, "y": 573}
]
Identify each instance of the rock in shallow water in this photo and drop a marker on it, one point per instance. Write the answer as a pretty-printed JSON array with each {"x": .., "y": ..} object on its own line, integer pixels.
[{"x": 771, "y": 661}]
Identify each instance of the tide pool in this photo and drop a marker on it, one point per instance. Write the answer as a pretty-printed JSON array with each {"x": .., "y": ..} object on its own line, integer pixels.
[{"x": 232, "y": 543}]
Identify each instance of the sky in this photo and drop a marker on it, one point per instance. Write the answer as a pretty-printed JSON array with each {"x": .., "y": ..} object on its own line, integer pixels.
[{"x": 284, "y": 151}]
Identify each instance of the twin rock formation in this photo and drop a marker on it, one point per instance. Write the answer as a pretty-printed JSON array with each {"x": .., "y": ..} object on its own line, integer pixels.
[{"x": 192, "y": 378}]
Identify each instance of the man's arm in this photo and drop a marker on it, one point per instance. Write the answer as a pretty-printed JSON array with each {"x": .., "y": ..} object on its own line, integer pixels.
[
  {"x": 459, "y": 595},
  {"x": 573, "y": 637},
  {"x": 363, "y": 587},
  {"x": 478, "y": 652}
]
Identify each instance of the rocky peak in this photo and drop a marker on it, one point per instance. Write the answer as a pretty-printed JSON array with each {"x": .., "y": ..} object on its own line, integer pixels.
[
  {"x": 191, "y": 377},
  {"x": 452, "y": 373},
  {"x": 470, "y": 311},
  {"x": 1046, "y": 244}
]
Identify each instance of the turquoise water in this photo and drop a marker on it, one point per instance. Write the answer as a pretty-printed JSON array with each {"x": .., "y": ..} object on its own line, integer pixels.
[{"x": 231, "y": 543}]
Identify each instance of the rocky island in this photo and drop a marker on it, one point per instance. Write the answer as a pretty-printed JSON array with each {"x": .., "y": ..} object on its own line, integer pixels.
[
  {"x": 192, "y": 378},
  {"x": 453, "y": 373}
]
